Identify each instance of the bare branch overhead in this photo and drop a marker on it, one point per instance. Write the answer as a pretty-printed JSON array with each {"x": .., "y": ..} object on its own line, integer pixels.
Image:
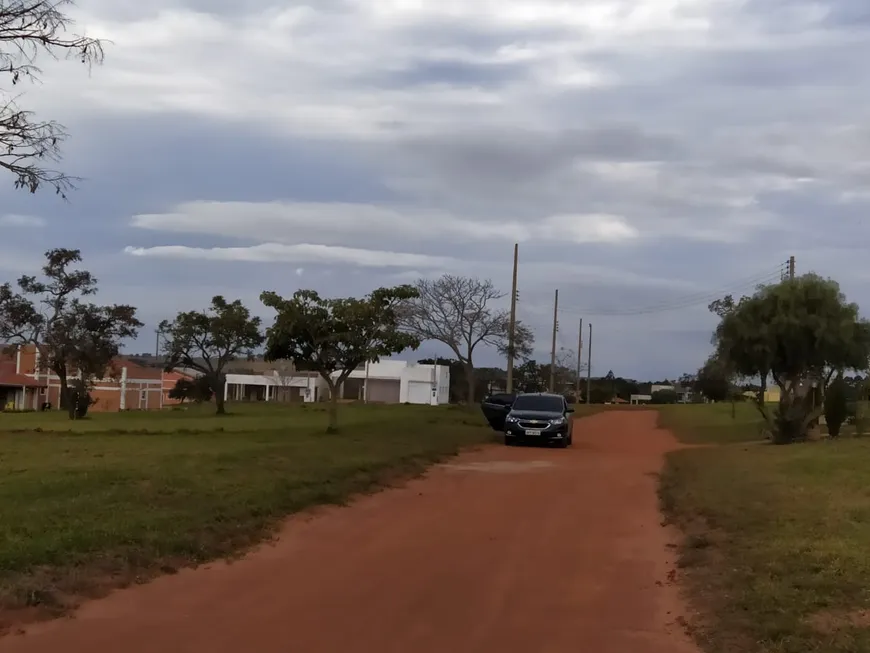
[{"x": 28, "y": 146}]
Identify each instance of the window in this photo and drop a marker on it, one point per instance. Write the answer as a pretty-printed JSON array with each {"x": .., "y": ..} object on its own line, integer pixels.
[{"x": 544, "y": 403}]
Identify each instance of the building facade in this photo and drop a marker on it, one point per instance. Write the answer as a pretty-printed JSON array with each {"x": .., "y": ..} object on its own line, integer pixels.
[
  {"x": 388, "y": 382},
  {"x": 126, "y": 386}
]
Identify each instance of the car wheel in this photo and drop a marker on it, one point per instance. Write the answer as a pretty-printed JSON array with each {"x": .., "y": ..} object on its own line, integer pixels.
[
  {"x": 563, "y": 443},
  {"x": 509, "y": 441}
]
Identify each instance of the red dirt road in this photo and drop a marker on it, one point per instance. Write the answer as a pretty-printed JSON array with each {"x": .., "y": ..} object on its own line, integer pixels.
[{"x": 514, "y": 550}]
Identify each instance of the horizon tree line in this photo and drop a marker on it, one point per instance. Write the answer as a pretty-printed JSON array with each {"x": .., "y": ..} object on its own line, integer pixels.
[{"x": 77, "y": 339}]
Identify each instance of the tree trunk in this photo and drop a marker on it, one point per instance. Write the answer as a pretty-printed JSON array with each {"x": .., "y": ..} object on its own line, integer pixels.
[
  {"x": 469, "y": 379},
  {"x": 332, "y": 410},
  {"x": 64, "y": 400},
  {"x": 217, "y": 386},
  {"x": 219, "y": 403}
]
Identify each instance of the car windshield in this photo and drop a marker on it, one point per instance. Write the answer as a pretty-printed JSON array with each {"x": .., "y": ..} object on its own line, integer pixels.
[{"x": 542, "y": 403}]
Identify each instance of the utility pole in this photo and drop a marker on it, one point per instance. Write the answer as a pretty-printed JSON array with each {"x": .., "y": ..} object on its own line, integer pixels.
[
  {"x": 791, "y": 268},
  {"x": 589, "y": 366},
  {"x": 512, "y": 324},
  {"x": 158, "y": 332},
  {"x": 579, "y": 360},
  {"x": 553, "y": 354}
]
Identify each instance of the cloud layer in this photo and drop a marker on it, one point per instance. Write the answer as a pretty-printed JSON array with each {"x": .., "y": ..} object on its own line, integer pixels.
[{"x": 644, "y": 153}]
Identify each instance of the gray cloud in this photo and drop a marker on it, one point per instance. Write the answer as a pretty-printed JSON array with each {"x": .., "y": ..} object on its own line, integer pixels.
[
  {"x": 453, "y": 73},
  {"x": 642, "y": 155}
]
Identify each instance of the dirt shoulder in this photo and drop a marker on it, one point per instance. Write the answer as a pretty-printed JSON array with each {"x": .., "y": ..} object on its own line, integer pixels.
[{"x": 504, "y": 549}]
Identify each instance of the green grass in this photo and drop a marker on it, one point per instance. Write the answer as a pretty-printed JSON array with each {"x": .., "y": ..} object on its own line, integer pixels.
[
  {"x": 776, "y": 549},
  {"x": 712, "y": 423},
  {"x": 101, "y": 502}
]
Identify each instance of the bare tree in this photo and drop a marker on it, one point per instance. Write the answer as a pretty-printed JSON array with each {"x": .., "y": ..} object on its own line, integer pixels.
[
  {"x": 458, "y": 311},
  {"x": 29, "y": 28},
  {"x": 285, "y": 373}
]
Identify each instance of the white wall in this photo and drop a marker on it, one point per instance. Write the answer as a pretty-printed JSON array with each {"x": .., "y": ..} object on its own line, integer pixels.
[
  {"x": 440, "y": 374},
  {"x": 405, "y": 372},
  {"x": 273, "y": 383}
]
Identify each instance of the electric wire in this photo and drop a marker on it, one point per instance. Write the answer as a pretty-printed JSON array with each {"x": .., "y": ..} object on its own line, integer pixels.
[{"x": 687, "y": 301}]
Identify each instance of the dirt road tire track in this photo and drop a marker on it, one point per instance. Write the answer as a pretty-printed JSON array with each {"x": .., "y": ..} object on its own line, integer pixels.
[{"x": 514, "y": 550}]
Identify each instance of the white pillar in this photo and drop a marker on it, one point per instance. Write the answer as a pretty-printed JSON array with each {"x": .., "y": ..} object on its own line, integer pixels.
[
  {"x": 433, "y": 400},
  {"x": 226, "y": 389},
  {"x": 122, "y": 404},
  {"x": 18, "y": 359}
]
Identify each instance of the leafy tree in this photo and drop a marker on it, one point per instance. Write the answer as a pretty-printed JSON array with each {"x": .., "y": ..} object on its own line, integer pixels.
[
  {"x": 531, "y": 377},
  {"x": 599, "y": 394},
  {"x": 799, "y": 333},
  {"x": 458, "y": 312},
  {"x": 688, "y": 380},
  {"x": 26, "y": 145},
  {"x": 71, "y": 335},
  {"x": 206, "y": 341},
  {"x": 835, "y": 406},
  {"x": 337, "y": 335},
  {"x": 197, "y": 390},
  {"x": 79, "y": 399},
  {"x": 665, "y": 397},
  {"x": 713, "y": 380}
]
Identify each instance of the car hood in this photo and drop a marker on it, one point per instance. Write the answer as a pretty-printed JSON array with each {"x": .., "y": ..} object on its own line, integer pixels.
[{"x": 535, "y": 414}]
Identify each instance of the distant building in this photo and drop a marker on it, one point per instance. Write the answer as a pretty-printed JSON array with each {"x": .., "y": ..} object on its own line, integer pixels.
[
  {"x": 387, "y": 381},
  {"x": 684, "y": 394},
  {"x": 126, "y": 386}
]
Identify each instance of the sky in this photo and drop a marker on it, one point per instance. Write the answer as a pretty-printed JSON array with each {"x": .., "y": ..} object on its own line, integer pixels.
[{"x": 644, "y": 154}]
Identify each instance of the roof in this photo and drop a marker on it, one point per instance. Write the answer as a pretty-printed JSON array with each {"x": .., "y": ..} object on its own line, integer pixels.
[
  {"x": 268, "y": 380},
  {"x": 12, "y": 379},
  {"x": 134, "y": 370}
]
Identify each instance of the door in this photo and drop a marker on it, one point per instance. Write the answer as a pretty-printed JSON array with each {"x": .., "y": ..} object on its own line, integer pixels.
[
  {"x": 495, "y": 408},
  {"x": 419, "y": 392},
  {"x": 385, "y": 391}
]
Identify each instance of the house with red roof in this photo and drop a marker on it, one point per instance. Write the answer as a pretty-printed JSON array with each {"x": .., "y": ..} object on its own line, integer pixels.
[
  {"x": 25, "y": 384},
  {"x": 18, "y": 391}
]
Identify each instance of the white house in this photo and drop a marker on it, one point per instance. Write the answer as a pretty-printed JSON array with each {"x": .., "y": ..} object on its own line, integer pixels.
[
  {"x": 387, "y": 381},
  {"x": 398, "y": 382},
  {"x": 300, "y": 387}
]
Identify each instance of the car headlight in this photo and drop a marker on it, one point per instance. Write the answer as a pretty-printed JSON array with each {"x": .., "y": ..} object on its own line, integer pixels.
[
  {"x": 557, "y": 421},
  {"x": 511, "y": 419}
]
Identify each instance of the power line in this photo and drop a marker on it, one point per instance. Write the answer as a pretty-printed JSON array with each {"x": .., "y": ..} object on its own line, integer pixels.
[{"x": 688, "y": 301}]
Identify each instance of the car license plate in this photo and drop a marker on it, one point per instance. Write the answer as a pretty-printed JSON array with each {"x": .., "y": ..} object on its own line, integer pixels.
[{"x": 533, "y": 432}]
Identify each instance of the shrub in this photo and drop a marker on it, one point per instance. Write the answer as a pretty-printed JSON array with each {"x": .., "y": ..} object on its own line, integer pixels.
[{"x": 80, "y": 398}]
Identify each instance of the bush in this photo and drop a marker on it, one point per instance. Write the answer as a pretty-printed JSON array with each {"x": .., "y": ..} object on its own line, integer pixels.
[
  {"x": 836, "y": 408},
  {"x": 80, "y": 398}
]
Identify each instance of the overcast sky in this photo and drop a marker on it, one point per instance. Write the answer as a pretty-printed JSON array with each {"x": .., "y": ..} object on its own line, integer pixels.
[{"x": 643, "y": 153}]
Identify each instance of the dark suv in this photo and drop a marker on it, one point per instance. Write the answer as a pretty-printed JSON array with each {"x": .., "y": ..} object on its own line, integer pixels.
[{"x": 539, "y": 417}]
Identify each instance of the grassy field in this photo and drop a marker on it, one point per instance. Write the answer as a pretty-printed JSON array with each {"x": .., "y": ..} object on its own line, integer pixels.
[
  {"x": 113, "y": 499},
  {"x": 712, "y": 423},
  {"x": 775, "y": 555}
]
